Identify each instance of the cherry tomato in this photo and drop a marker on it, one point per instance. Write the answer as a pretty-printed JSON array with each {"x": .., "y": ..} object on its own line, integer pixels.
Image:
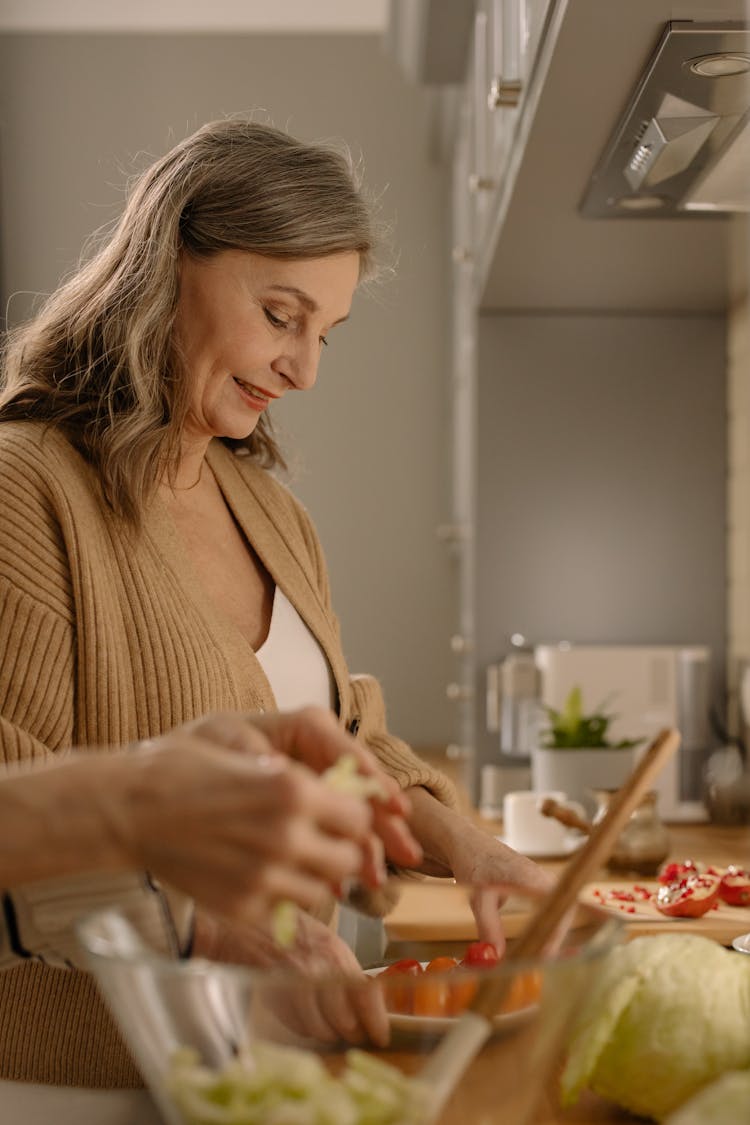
[
  {"x": 462, "y": 993},
  {"x": 399, "y": 995},
  {"x": 433, "y": 997},
  {"x": 441, "y": 965},
  {"x": 480, "y": 955},
  {"x": 734, "y": 886},
  {"x": 405, "y": 965},
  {"x": 524, "y": 990},
  {"x": 688, "y": 897}
]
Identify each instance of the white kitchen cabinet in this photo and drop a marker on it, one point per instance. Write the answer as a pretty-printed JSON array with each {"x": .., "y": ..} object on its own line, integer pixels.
[{"x": 507, "y": 38}]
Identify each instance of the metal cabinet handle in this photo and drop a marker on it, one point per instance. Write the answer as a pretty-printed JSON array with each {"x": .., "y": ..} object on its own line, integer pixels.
[
  {"x": 504, "y": 93},
  {"x": 507, "y": 49},
  {"x": 481, "y": 183},
  {"x": 459, "y": 693}
]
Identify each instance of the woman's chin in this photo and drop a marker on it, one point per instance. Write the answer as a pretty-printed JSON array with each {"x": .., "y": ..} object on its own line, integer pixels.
[{"x": 238, "y": 429}]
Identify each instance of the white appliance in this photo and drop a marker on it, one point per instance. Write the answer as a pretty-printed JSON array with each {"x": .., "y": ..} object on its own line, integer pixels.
[{"x": 645, "y": 688}]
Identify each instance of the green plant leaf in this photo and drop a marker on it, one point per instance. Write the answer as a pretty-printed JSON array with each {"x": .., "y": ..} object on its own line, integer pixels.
[{"x": 570, "y": 727}]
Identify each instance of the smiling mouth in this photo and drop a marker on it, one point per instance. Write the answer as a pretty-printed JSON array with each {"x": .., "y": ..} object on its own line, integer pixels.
[{"x": 254, "y": 392}]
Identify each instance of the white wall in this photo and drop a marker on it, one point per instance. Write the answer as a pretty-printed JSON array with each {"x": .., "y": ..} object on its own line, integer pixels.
[
  {"x": 602, "y": 476},
  {"x": 78, "y": 111}
]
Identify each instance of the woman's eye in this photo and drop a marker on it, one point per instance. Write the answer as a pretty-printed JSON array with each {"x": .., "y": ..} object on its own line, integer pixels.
[
  {"x": 276, "y": 321},
  {"x": 323, "y": 340}
]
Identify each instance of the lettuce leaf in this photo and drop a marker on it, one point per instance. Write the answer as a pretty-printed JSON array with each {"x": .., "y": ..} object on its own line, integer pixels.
[
  {"x": 666, "y": 1016},
  {"x": 723, "y": 1102}
]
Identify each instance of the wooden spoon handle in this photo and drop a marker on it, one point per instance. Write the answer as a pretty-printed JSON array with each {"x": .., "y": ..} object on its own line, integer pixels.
[
  {"x": 567, "y": 816},
  {"x": 552, "y": 909}
]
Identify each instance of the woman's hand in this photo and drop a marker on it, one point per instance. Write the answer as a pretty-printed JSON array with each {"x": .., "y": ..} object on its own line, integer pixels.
[
  {"x": 313, "y": 736},
  {"x": 494, "y": 869},
  {"x": 354, "y": 1011},
  {"x": 237, "y": 831},
  {"x": 453, "y": 845}
]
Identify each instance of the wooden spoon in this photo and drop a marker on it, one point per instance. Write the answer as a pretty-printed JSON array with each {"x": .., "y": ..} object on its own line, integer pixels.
[
  {"x": 458, "y": 1048},
  {"x": 567, "y": 816}
]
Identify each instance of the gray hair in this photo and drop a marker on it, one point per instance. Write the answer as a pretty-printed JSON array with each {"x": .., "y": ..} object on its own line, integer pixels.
[{"x": 98, "y": 359}]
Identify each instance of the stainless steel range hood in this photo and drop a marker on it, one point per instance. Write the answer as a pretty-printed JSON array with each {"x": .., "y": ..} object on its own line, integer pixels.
[{"x": 682, "y": 146}]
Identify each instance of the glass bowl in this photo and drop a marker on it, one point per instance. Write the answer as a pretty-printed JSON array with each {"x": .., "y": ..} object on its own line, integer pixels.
[{"x": 221, "y": 1044}]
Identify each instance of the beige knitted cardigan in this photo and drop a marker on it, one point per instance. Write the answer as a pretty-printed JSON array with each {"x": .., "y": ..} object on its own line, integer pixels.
[{"x": 107, "y": 637}]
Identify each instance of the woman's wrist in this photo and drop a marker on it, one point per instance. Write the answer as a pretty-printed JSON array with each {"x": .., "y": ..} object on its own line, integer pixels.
[
  {"x": 439, "y": 829},
  {"x": 55, "y": 820}
]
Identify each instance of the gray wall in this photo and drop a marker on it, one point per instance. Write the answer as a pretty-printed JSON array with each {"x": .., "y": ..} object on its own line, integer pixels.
[
  {"x": 79, "y": 112},
  {"x": 601, "y": 484}
]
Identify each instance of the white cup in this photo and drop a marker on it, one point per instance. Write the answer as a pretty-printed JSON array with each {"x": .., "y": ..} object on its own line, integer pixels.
[{"x": 526, "y": 829}]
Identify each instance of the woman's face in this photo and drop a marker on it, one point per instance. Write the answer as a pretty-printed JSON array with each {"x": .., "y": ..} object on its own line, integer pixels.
[{"x": 251, "y": 328}]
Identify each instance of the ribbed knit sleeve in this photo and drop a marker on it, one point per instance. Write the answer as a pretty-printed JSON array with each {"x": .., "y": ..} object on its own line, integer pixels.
[
  {"x": 36, "y": 614},
  {"x": 398, "y": 759}
]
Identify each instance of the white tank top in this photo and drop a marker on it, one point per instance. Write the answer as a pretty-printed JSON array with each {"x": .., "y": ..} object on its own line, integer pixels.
[{"x": 293, "y": 661}]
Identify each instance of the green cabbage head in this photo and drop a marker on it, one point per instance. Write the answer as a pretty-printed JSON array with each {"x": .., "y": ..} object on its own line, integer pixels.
[
  {"x": 724, "y": 1102},
  {"x": 666, "y": 1016}
]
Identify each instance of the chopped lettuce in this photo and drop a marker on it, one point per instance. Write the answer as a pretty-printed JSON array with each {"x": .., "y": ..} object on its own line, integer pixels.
[
  {"x": 272, "y": 1085},
  {"x": 666, "y": 1016},
  {"x": 723, "y": 1102},
  {"x": 284, "y": 923},
  {"x": 345, "y": 777}
]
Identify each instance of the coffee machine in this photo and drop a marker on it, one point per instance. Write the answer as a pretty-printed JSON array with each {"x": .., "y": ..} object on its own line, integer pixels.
[{"x": 644, "y": 688}]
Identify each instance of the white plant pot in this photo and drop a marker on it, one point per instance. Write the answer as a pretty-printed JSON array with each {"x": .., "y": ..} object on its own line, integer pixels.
[{"x": 576, "y": 772}]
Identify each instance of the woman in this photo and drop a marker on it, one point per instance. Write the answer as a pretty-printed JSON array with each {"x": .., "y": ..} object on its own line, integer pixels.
[{"x": 155, "y": 567}]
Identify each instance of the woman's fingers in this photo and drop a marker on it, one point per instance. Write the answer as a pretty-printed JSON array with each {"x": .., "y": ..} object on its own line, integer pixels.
[
  {"x": 217, "y": 885},
  {"x": 339, "y": 1012},
  {"x": 356, "y": 1012},
  {"x": 335, "y": 812},
  {"x": 398, "y": 841},
  {"x": 303, "y": 1013},
  {"x": 368, "y": 1003},
  {"x": 232, "y": 732},
  {"x": 354, "y": 1008},
  {"x": 485, "y": 903},
  {"x": 312, "y": 735},
  {"x": 374, "y": 872},
  {"x": 309, "y": 827}
]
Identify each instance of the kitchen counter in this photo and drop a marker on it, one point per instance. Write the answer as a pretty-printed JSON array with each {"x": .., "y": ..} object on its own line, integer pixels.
[{"x": 432, "y": 916}]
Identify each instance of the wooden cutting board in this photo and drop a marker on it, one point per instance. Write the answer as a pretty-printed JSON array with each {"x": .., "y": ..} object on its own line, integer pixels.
[
  {"x": 438, "y": 910},
  {"x": 722, "y": 923}
]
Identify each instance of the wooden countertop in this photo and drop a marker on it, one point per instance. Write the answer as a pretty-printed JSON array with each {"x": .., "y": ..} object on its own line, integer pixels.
[
  {"x": 433, "y": 911},
  {"x": 433, "y": 917}
]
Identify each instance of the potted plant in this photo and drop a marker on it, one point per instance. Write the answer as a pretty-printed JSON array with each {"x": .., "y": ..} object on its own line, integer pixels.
[{"x": 575, "y": 756}]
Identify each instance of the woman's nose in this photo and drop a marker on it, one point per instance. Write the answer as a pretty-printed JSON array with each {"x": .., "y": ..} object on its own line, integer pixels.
[{"x": 300, "y": 365}]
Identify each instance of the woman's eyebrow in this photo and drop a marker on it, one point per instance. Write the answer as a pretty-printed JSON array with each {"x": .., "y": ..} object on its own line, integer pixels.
[{"x": 304, "y": 299}]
